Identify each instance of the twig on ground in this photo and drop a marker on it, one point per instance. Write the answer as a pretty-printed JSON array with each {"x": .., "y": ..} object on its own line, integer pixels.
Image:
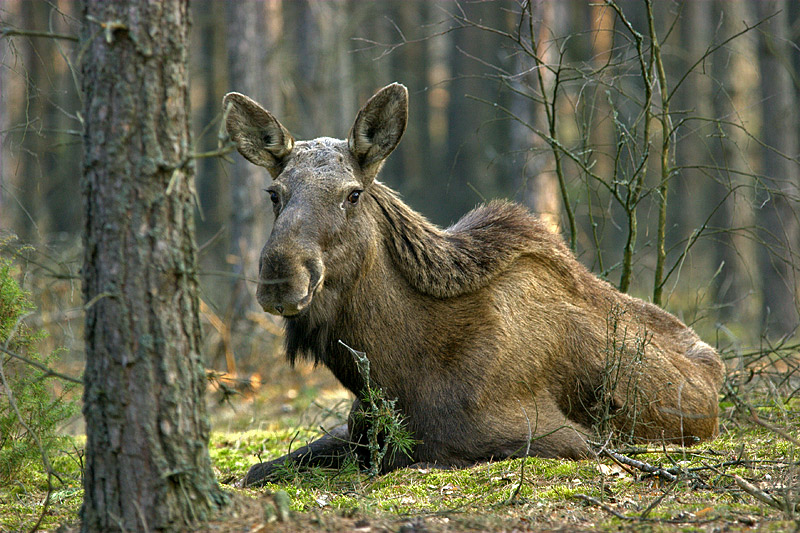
[
  {"x": 658, "y": 500},
  {"x": 515, "y": 492},
  {"x": 759, "y": 494},
  {"x": 744, "y": 407},
  {"x": 755, "y": 418},
  {"x": 641, "y": 465}
]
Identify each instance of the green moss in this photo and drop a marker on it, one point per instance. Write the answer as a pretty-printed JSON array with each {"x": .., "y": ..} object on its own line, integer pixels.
[
  {"x": 21, "y": 501},
  {"x": 558, "y": 493},
  {"x": 233, "y": 453},
  {"x": 547, "y": 487}
]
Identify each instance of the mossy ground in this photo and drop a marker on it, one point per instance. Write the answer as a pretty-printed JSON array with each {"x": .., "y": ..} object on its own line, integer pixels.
[
  {"x": 533, "y": 494},
  {"x": 517, "y": 494}
]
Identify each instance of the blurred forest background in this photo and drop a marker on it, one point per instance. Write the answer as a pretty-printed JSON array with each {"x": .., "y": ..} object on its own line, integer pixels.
[{"x": 663, "y": 143}]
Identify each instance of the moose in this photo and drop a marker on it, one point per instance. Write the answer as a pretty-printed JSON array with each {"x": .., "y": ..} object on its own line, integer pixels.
[{"x": 493, "y": 340}]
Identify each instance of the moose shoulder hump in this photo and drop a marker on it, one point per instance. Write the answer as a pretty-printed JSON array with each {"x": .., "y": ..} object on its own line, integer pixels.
[{"x": 469, "y": 254}]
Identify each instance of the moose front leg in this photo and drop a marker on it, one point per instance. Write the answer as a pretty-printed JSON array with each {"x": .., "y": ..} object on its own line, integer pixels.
[{"x": 329, "y": 451}]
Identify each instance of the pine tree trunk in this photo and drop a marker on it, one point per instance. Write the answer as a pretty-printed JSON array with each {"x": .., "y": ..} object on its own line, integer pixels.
[
  {"x": 33, "y": 221},
  {"x": 147, "y": 462}
]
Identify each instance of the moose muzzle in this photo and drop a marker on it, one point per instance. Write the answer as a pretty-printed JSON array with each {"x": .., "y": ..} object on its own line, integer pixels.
[{"x": 288, "y": 281}]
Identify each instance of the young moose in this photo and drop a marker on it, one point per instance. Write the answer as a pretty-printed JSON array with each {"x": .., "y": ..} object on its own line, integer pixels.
[{"x": 493, "y": 339}]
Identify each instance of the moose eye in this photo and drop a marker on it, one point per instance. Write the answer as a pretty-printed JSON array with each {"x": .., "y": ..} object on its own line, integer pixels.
[{"x": 354, "y": 196}]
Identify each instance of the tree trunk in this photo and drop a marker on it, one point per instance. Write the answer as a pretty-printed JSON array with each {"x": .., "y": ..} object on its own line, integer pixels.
[
  {"x": 38, "y": 56},
  {"x": 778, "y": 217},
  {"x": 539, "y": 187},
  {"x": 210, "y": 60},
  {"x": 691, "y": 185},
  {"x": 254, "y": 34},
  {"x": 602, "y": 137},
  {"x": 413, "y": 152},
  {"x": 147, "y": 462},
  {"x": 735, "y": 104}
]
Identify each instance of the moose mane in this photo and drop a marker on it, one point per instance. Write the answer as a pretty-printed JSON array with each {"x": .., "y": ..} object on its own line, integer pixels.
[{"x": 467, "y": 255}]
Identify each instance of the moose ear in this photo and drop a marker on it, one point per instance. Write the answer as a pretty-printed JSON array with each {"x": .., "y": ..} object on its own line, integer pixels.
[
  {"x": 378, "y": 128},
  {"x": 258, "y": 135}
]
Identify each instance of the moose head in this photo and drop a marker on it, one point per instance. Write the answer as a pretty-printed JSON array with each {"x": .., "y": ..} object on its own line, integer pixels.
[{"x": 317, "y": 193}]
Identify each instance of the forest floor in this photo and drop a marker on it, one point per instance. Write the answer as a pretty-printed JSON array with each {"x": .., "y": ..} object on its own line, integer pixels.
[{"x": 746, "y": 479}]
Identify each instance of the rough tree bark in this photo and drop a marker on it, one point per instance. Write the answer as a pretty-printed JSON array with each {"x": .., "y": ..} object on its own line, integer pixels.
[{"x": 147, "y": 462}]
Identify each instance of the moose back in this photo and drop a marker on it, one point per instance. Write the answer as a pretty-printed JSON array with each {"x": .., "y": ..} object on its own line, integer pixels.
[{"x": 493, "y": 339}]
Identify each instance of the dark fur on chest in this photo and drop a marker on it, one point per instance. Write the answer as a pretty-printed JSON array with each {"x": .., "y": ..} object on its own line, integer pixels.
[{"x": 320, "y": 343}]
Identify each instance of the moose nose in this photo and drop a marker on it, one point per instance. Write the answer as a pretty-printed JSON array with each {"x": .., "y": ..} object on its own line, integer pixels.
[{"x": 288, "y": 287}]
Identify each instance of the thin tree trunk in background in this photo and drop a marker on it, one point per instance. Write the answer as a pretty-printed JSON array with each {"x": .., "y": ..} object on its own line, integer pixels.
[
  {"x": 325, "y": 76},
  {"x": 521, "y": 138},
  {"x": 63, "y": 153},
  {"x": 210, "y": 70},
  {"x": 254, "y": 33},
  {"x": 304, "y": 38},
  {"x": 542, "y": 193},
  {"x": 779, "y": 215},
  {"x": 414, "y": 152},
  {"x": 339, "y": 61},
  {"x": 438, "y": 99},
  {"x": 735, "y": 103},
  {"x": 602, "y": 138},
  {"x": 598, "y": 131},
  {"x": 463, "y": 149},
  {"x": 33, "y": 220},
  {"x": 694, "y": 98},
  {"x": 147, "y": 463},
  {"x": 6, "y": 219}
]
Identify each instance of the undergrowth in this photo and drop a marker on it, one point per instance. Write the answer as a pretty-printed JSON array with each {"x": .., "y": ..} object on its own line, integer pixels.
[
  {"x": 31, "y": 411},
  {"x": 749, "y": 477}
]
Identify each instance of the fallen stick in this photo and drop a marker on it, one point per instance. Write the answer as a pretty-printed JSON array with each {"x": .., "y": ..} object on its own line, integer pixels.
[{"x": 641, "y": 465}]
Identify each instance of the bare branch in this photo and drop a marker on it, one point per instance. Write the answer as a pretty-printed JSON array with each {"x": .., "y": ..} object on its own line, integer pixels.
[
  {"x": 759, "y": 494},
  {"x": 640, "y": 465},
  {"x": 16, "y": 32},
  {"x": 48, "y": 372}
]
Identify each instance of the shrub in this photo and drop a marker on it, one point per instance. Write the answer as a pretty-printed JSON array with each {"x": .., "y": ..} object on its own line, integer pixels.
[{"x": 40, "y": 411}]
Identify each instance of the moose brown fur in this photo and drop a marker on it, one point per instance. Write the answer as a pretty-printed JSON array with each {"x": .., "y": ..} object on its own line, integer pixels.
[{"x": 494, "y": 340}]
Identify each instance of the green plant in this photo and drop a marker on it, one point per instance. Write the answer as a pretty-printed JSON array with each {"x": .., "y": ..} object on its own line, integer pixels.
[
  {"x": 28, "y": 409},
  {"x": 386, "y": 430}
]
